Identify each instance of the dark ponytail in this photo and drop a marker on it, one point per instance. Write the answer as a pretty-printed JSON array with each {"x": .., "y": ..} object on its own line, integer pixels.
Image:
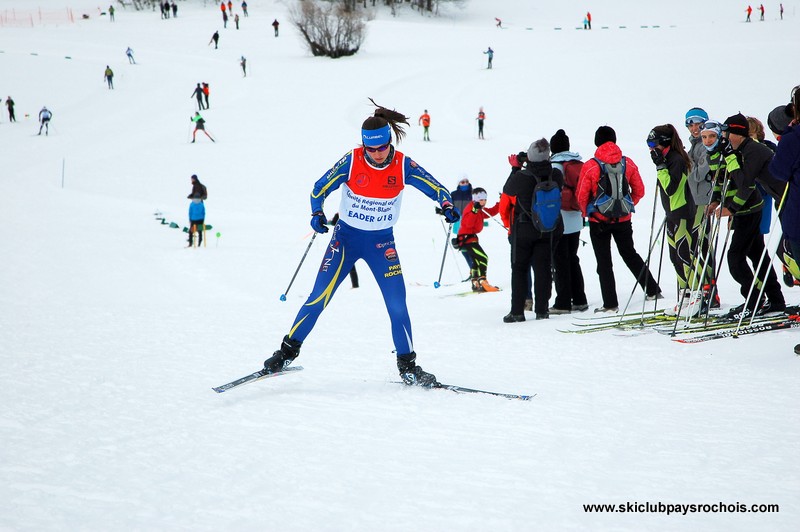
[
  {"x": 676, "y": 145},
  {"x": 383, "y": 116}
]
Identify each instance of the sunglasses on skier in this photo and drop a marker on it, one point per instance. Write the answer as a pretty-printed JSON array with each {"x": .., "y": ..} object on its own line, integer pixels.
[
  {"x": 694, "y": 120},
  {"x": 378, "y": 148}
]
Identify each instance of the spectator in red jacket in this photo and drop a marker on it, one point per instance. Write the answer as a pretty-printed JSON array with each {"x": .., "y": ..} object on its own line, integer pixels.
[
  {"x": 602, "y": 228},
  {"x": 472, "y": 218}
]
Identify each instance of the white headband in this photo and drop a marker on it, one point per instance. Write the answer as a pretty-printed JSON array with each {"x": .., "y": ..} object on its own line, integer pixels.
[{"x": 479, "y": 196}]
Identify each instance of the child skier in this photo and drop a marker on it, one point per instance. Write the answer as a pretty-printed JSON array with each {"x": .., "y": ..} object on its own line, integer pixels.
[{"x": 467, "y": 241}]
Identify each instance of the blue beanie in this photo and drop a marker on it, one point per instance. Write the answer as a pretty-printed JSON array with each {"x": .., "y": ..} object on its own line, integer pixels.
[
  {"x": 376, "y": 137},
  {"x": 695, "y": 115}
]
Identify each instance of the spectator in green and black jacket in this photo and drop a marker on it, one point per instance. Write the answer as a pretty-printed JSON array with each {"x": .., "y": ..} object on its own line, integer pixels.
[{"x": 745, "y": 162}]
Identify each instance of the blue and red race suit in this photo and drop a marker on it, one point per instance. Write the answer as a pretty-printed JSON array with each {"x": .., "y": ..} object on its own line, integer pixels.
[{"x": 369, "y": 208}]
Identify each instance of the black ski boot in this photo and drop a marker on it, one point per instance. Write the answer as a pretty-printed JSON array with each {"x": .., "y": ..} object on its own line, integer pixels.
[
  {"x": 290, "y": 349},
  {"x": 412, "y": 374}
]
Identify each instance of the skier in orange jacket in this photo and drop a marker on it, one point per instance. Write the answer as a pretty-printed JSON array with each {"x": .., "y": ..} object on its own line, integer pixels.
[{"x": 425, "y": 120}]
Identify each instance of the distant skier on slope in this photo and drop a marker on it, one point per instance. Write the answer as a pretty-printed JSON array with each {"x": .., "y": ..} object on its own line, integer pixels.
[
  {"x": 198, "y": 95},
  {"x": 199, "y": 125},
  {"x": 481, "y": 117},
  {"x": 425, "y": 121},
  {"x": 44, "y": 120},
  {"x": 108, "y": 75}
]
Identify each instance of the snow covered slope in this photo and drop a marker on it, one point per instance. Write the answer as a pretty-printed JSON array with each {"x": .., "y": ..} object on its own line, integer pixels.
[{"x": 112, "y": 333}]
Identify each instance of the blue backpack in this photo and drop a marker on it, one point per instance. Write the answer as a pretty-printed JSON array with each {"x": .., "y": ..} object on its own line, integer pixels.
[{"x": 546, "y": 205}]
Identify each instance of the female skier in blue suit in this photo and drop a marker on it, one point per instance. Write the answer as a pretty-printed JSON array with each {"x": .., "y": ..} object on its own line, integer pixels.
[{"x": 372, "y": 178}]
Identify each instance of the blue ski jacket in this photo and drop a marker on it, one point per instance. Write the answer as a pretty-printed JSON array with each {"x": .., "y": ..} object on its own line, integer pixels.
[{"x": 785, "y": 166}]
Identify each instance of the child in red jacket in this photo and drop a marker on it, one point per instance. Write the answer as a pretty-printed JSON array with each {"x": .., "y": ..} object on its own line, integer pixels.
[{"x": 467, "y": 241}]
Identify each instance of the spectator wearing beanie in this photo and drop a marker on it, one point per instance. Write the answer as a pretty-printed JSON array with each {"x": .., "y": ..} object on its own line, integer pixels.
[
  {"x": 529, "y": 246},
  {"x": 602, "y": 229},
  {"x": 747, "y": 161},
  {"x": 570, "y": 290},
  {"x": 786, "y": 167},
  {"x": 462, "y": 197},
  {"x": 604, "y": 134},
  {"x": 779, "y": 118},
  {"x": 698, "y": 174}
]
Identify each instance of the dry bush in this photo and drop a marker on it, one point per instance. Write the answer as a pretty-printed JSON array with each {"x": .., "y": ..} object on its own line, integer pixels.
[{"x": 328, "y": 29}]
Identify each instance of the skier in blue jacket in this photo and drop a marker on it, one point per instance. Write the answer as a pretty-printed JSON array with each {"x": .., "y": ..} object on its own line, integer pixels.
[
  {"x": 785, "y": 166},
  {"x": 372, "y": 178},
  {"x": 197, "y": 220}
]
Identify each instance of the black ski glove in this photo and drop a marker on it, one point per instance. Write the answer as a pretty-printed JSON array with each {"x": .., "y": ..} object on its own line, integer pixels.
[
  {"x": 726, "y": 147},
  {"x": 658, "y": 158}
]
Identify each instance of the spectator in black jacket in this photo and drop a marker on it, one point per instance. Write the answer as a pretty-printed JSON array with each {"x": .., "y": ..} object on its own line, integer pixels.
[
  {"x": 199, "y": 190},
  {"x": 747, "y": 162},
  {"x": 528, "y": 244}
]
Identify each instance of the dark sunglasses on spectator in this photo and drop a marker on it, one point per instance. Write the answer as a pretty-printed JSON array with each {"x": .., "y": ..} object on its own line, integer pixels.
[
  {"x": 694, "y": 120},
  {"x": 379, "y": 148}
]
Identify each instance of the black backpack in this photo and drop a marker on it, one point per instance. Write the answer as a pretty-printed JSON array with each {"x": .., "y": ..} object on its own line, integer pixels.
[{"x": 613, "y": 198}]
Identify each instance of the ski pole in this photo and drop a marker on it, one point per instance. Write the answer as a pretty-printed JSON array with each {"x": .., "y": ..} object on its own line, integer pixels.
[
  {"x": 758, "y": 268},
  {"x": 649, "y": 257},
  {"x": 649, "y": 251},
  {"x": 721, "y": 255},
  {"x": 702, "y": 258},
  {"x": 645, "y": 267},
  {"x": 699, "y": 270},
  {"x": 766, "y": 266},
  {"x": 283, "y": 295},
  {"x": 708, "y": 261},
  {"x": 495, "y": 220},
  {"x": 452, "y": 251},
  {"x": 438, "y": 283},
  {"x": 691, "y": 281},
  {"x": 660, "y": 263}
]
